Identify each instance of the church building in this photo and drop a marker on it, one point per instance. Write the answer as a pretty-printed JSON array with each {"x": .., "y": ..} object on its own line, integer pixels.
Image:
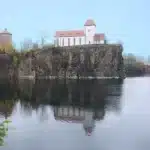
[{"x": 80, "y": 37}]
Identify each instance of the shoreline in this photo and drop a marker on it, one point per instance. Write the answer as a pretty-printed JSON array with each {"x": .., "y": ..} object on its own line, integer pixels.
[{"x": 75, "y": 78}]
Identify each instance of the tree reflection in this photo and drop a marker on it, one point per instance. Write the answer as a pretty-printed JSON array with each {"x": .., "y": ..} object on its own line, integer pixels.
[
  {"x": 72, "y": 100},
  {"x": 8, "y": 97},
  {"x": 82, "y": 101}
]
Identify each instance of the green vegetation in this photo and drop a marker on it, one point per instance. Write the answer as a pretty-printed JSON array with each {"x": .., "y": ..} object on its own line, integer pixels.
[{"x": 3, "y": 131}]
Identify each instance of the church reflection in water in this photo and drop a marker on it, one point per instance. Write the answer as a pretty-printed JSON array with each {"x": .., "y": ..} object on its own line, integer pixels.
[
  {"x": 81, "y": 102},
  {"x": 70, "y": 114}
]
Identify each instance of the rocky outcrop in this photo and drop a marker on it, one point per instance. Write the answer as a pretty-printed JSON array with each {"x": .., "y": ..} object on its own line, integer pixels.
[
  {"x": 75, "y": 62},
  {"x": 7, "y": 69}
]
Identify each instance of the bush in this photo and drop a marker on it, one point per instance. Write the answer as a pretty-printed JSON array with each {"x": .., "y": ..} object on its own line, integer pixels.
[{"x": 3, "y": 131}]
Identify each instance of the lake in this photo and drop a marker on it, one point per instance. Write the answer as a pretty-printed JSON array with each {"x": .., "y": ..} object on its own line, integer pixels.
[{"x": 77, "y": 115}]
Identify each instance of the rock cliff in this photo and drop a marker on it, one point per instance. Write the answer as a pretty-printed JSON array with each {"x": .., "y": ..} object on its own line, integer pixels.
[{"x": 75, "y": 62}]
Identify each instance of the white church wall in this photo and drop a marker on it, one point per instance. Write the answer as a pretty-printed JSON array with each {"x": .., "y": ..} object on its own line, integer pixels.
[
  {"x": 64, "y": 41},
  {"x": 89, "y": 32},
  {"x": 99, "y": 42}
]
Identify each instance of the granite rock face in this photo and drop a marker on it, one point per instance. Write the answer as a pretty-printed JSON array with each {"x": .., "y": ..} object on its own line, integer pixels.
[{"x": 75, "y": 62}]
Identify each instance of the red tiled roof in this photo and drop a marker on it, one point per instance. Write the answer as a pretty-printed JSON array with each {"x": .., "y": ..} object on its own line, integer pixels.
[
  {"x": 90, "y": 22},
  {"x": 72, "y": 33},
  {"x": 99, "y": 37}
]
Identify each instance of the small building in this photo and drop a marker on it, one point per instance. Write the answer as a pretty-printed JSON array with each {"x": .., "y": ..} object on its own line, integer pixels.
[
  {"x": 5, "y": 38},
  {"x": 87, "y": 35}
]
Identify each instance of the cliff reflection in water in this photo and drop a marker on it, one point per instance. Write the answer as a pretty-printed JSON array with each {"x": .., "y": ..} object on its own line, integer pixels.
[
  {"x": 8, "y": 94},
  {"x": 82, "y": 102}
]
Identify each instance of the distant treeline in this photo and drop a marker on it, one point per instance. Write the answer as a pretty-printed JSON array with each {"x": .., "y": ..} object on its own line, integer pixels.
[{"x": 134, "y": 66}]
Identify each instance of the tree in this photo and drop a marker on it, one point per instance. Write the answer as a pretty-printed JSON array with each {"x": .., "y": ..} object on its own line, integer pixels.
[
  {"x": 43, "y": 38},
  {"x": 35, "y": 46},
  {"x": 26, "y": 45},
  {"x": 148, "y": 60},
  {"x": 133, "y": 66}
]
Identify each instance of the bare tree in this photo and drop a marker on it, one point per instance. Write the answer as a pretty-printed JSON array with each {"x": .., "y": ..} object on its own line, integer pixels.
[
  {"x": 43, "y": 38},
  {"x": 148, "y": 59},
  {"x": 35, "y": 45},
  {"x": 26, "y": 44}
]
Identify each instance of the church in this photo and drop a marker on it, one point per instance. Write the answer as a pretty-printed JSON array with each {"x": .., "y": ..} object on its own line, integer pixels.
[{"x": 80, "y": 37}]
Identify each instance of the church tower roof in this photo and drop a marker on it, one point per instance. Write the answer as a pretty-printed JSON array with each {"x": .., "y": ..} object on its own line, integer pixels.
[
  {"x": 90, "y": 22},
  {"x": 5, "y": 31}
]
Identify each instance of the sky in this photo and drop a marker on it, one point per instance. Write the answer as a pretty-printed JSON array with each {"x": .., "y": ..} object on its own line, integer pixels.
[{"x": 127, "y": 21}]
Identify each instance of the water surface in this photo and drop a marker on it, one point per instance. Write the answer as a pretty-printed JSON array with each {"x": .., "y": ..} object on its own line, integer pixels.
[{"x": 71, "y": 115}]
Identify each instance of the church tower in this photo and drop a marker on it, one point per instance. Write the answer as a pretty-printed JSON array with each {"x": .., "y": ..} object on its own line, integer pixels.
[{"x": 89, "y": 30}]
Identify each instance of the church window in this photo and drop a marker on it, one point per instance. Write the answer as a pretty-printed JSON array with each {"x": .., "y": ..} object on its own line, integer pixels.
[
  {"x": 68, "y": 41},
  {"x": 62, "y": 42},
  {"x": 80, "y": 41},
  {"x": 74, "y": 41}
]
